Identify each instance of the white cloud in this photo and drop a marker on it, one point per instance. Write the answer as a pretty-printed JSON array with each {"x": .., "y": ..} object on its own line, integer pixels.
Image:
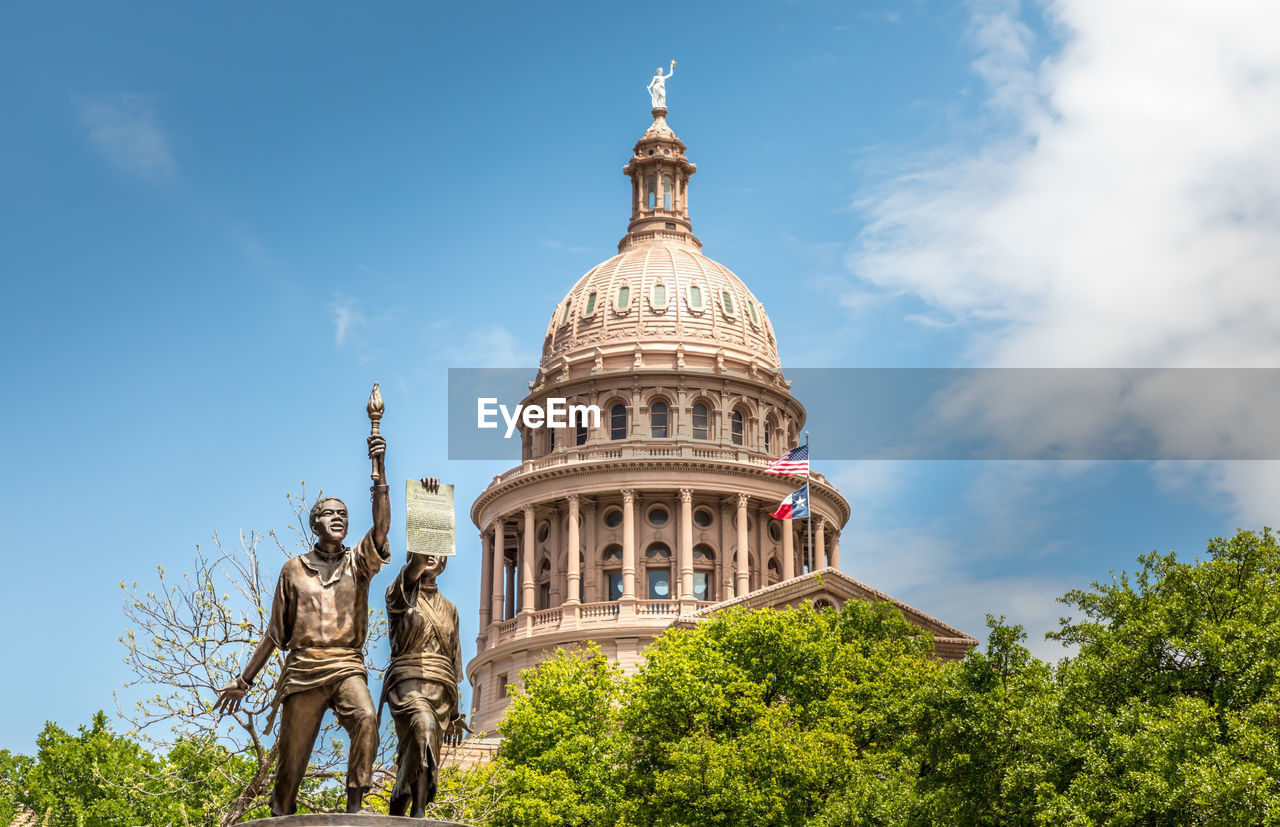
[
  {"x": 933, "y": 565},
  {"x": 492, "y": 346},
  {"x": 125, "y": 128},
  {"x": 1125, "y": 212},
  {"x": 347, "y": 320}
]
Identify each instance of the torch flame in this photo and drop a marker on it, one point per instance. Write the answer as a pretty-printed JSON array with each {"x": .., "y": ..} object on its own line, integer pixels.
[{"x": 375, "y": 406}]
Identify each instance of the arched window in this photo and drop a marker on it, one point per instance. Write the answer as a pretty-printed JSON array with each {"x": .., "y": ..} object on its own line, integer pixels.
[
  {"x": 658, "y": 420},
  {"x": 618, "y": 421},
  {"x": 726, "y": 304},
  {"x": 701, "y": 422},
  {"x": 551, "y": 440},
  {"x": 653, "y": 196},
  {"x": 768, "y": 437},
  {"x": 658, "y": 298},
  {"x": 736, "y": 424},
  {"x": 612, "y": 559},
  {"x": 658, "y": 568},
  {"x": 581, "y": 436},
  {"x": 666, "y": 192},
  {"x": 623, "y": 300},
  {"x": 704, "y": 567},
  {"x": 591, "y": 304},
  {"x": 775, "y": 573},
  {"x": 695, "y": 297},
  {"x": 544, "y": 586}
]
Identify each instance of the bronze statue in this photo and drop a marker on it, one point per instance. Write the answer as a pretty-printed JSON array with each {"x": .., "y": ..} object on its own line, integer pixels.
[
  {"x": 421, "y": 684},
  {"x": 320, "y": 615}
]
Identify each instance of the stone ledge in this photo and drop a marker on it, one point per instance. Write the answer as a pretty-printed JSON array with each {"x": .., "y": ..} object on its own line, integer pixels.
[{"x": 348, "y": 820}]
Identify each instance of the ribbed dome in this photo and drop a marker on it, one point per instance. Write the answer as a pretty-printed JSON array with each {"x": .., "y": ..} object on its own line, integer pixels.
[{"x": 661, "y": 293}]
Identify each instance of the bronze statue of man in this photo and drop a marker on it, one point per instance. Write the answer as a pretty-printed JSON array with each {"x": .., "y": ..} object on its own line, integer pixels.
[
  {"x": 421, "y": 684},
  {"x": 320, "y": 616}
]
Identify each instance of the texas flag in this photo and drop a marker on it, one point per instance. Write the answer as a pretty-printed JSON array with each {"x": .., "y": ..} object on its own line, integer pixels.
[{"x": 795, "y": 506}]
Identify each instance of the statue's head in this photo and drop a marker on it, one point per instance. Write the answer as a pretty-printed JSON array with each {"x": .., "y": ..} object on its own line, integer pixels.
[
  {"x": 329, "y": 520},
  {"x": 658, "y": 70},
  {"x": 435, "y": 565}
]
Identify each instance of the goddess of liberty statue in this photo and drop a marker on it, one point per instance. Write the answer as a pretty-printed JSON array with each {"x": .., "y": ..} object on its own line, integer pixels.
[{"x": 658, "y": 87}]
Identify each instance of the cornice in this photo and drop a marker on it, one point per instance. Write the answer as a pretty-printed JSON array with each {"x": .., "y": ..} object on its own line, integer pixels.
[{"x": 589, "y": 468}]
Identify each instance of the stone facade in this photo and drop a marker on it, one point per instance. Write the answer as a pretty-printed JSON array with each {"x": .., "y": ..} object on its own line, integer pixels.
[{"x": 613, "y": 533}]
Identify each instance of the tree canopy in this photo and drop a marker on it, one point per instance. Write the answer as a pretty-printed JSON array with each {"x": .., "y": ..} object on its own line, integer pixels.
[{"x": 1166, "y": 714}]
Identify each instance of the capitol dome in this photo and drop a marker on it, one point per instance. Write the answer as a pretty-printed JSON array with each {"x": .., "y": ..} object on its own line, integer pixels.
[
  {"x": 655, "y": 295},
  {"x": 613, "y": 530},
  {"x": 660, "y": 291}
]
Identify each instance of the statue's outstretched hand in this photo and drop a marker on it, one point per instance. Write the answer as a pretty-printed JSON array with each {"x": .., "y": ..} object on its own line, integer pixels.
[
  {"x": 378, "y": 453},
  {"x": 231, "y": 696}
]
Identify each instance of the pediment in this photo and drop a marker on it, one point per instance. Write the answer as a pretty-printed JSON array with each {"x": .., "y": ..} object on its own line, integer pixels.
[{"x": 832, "y": 587}]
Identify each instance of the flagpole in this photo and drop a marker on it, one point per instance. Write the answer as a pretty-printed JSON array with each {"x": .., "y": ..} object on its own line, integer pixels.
[{"x": 808, "y": 476}]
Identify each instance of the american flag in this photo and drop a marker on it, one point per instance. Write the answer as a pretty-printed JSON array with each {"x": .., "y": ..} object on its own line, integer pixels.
[{"x": 794, "y": 463}]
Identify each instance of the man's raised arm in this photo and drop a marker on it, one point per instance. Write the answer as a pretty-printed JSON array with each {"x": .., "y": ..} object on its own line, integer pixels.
[{"x": 381, "y": 496}]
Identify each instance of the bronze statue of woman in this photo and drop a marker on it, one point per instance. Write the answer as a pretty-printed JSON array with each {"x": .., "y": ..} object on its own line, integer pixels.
[{"x": 421, "y": 684}]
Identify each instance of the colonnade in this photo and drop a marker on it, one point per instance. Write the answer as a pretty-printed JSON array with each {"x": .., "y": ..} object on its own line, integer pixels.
[{"x": 509, "y": 580}]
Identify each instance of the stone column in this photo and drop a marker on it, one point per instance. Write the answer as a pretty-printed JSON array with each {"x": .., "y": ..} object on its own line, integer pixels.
[
  {"x": 742, "y": 586},
  {"x": 526, "y": 564},
  {"x": 574, "y": 576},
  {"x": 592, "y": 555},
  {"x": 512, "y": 589},
  {"x": 724, "y": 562},
  {"x": 820, "y": 542},
  {"x": 555, "y": 597},
  {"x": 833, "y": 556},
  {"x": 486, "y": 587},
  {"x": 629, "y": 545},
  {"x": 788, "y": 551},
  {"x": 498, "y": 568},
  {"x": 762, "y": 560},
  {"x": 686, "y": 544}
]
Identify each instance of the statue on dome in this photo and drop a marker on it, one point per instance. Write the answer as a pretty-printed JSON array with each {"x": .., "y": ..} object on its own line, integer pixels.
[{"x": 658, "y": 87}]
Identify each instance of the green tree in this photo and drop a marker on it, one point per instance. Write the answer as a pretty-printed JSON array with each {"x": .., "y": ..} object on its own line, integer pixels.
[
  {"x": 780, "y": 717},
  {"x": 13, "y": 769},
  {"x": 562, "y": 743},
  {"x": 84, "y": 779},
  {"x": 992, "y": 742},
  {"x": 1174, "y": 692}
]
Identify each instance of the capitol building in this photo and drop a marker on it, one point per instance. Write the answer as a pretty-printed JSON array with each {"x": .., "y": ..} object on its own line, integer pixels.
[{"x": 660, "y": 515}]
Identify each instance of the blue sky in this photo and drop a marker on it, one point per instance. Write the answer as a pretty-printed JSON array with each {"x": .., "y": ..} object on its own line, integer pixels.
[{"x": 221, "y": 224}]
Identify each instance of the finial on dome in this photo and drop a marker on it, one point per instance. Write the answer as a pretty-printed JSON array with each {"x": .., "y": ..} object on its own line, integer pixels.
[
  {"x": 659, "y": 173},
  {"x": 658, "y": 89}
]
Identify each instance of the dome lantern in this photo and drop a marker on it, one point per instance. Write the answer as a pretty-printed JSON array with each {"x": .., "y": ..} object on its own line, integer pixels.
[{"x": 659, "y": 173}]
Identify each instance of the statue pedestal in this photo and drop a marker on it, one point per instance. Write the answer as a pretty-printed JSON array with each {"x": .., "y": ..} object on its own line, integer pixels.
[{"x": 348, "y": 820}]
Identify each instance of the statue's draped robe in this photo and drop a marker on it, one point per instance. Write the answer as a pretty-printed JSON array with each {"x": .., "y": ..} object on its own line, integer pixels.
[{"x": 421, "y": 684}]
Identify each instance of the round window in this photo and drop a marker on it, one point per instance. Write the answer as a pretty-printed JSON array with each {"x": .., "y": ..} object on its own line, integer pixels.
[
  {"x": 703, "y": 517},
  {"x": 775, "y": 531},
  {"x": 544, "y": 531},
  {"x": 613, "y": 517},
  {"x": 658, "y": 515}
]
